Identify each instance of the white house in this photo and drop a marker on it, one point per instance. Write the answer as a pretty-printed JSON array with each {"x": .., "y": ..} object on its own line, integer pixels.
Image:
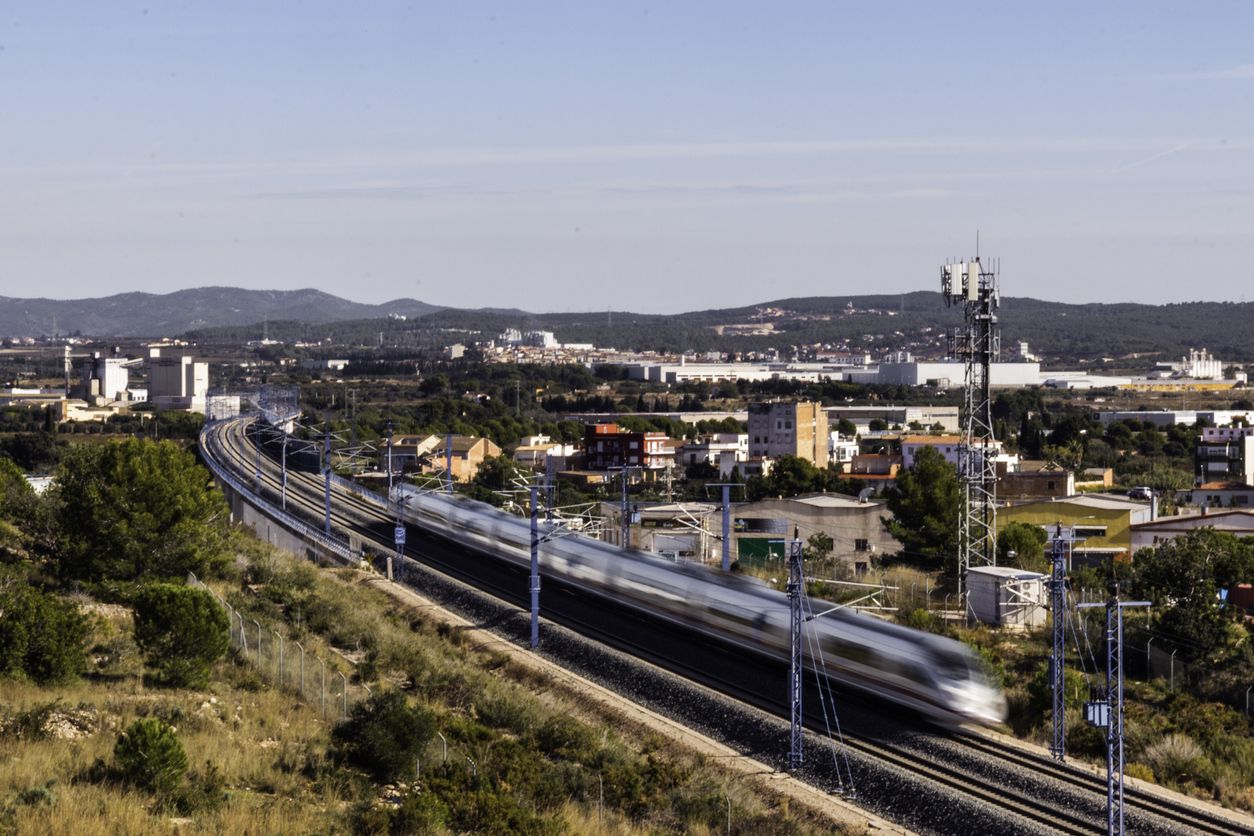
[{"x": 1144, "y": 535}]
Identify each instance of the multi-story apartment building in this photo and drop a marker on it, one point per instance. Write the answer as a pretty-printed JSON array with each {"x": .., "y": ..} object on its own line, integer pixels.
[
  {"x": 1225, "y": 454},
  {"x": 609, "y": 446},
  {"x": 779, "y": 428}
]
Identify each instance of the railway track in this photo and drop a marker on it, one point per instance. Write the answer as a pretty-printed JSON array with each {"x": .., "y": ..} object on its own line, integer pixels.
[
  {"x": 1179, "y": 813},
  {"x": 1048, "y": 797}
]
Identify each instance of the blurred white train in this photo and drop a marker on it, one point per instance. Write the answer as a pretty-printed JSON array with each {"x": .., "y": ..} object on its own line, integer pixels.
[{"x": 937, "y": 677}]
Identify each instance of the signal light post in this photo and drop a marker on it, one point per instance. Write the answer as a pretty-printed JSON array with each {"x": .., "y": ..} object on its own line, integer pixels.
[{"x": 398, "y": 536}]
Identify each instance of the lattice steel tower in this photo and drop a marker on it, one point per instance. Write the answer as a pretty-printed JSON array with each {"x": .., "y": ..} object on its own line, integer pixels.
[{"x": 973, "y": 285}]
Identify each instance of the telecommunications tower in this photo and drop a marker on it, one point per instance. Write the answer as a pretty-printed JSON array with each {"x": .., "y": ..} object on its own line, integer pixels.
[{"x": 973, "y": 285}]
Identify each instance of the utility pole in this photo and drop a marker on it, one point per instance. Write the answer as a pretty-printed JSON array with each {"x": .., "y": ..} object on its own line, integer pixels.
[
  {"x": 973, "y": 285},
  {"x": 448, "y": 462},
  {"x": 389, "y": 458},
  {"x": 550, "y": 486},
  {"x": 1107, "y": 713},
  {"x": 1057, "y": 659},
  {"x": 352, "y": 417},
  {"x": 283, "y": 480},
  {"x": 257, "y": 463},
  {"x": 796, "y": 581},
  {"x": 326, "y": 476},
  {"x": 535, "y": 569},
  {"x": 624, "y": 518},
  {"x": 727, "y": 539}
]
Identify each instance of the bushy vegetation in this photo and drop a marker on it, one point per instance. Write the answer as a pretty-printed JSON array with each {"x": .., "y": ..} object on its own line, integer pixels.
[
  {"x": 384, "y": 736},
  {"x": 793, "y": 476},
  {"x": 182, "y": 633},
  {"x": 924, "y": 503},
  {"x": 135, "y": 510},
  {"x": 42, "y": 636},
  {"x": 514, "y": 764},
  {"x": 148, "y": 755},
  {"x": 1183, "y": 578},
  {"x": 1022, "y": 545}
]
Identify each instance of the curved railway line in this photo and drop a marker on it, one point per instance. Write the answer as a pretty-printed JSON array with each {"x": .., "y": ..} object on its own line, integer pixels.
[{"x": 1019, "y": 789}]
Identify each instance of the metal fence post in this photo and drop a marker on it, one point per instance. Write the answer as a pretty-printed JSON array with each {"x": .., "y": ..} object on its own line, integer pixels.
[
  {"x": 302, "y": 668},
  {"x": 258, "y": 623},
  {"x": 1172, "y": 680},
  {"x": 278, "y": 660},
  {"x": 344, "y": 691},
  {"x": 324, "y": 688}
]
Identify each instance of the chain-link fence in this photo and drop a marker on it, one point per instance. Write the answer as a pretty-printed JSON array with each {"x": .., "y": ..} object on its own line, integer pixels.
[{"x": 284, "y": 661}]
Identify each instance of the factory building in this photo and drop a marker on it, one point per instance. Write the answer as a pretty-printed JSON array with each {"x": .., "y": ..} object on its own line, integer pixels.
[
  {"x": 177, "y": 383},
  {"x": 106, "y": 379}
]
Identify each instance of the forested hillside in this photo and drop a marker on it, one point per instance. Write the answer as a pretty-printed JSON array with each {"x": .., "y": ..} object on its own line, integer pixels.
[{"x": 1062, "y": 334}]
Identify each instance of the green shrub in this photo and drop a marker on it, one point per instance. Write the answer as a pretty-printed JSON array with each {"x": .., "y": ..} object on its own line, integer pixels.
[
  {"x": 921, "y": 619},
  {"x": 42, "y": 636},
  {"x": 204, "y": 791},
  {"x": 420, "y": 812},
  {"x": 562, "y": 737},
  {"x": 182, "y": 632},
  {"x": 149, "y": 755},
  {"x": 38, "y": 796},
  {"x": 1041, "y": 693},
  {"x": 1176, "y": 757},
  {"x": 505, "y": 711},
  {"x": 383, "y": 735}
]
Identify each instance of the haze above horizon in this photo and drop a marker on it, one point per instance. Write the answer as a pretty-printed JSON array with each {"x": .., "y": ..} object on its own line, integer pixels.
[{"x": 580, "y": 156}]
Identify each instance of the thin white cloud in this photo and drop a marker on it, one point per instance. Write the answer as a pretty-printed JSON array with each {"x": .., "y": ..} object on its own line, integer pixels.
[
  {"x": 582, "y": 154},
  {"x": 1239, "y": 72},
  {"x": 742, "y": 190},
  {"x": 1150, "y": 159}
]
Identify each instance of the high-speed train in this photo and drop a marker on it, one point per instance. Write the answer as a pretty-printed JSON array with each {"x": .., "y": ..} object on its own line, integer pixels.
[{"x": 938, "y": 677}]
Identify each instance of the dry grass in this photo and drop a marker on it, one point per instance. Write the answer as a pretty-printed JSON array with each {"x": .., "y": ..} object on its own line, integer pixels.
[
  {"x": 271, "y": 747},
  {"x": 258, "y": 739}
]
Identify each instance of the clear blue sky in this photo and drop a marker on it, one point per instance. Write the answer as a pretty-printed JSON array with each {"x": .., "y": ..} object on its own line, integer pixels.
[{"x": 656, "y": 157}]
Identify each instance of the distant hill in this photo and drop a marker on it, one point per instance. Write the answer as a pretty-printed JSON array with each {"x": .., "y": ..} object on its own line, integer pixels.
[
  {"x": 170, "y": 314},
  {"x": 918, "y": 321}
]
